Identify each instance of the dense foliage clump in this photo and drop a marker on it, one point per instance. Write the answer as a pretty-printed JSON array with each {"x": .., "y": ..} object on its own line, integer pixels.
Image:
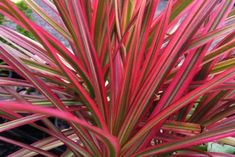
[{"x": 130, "y": 82}]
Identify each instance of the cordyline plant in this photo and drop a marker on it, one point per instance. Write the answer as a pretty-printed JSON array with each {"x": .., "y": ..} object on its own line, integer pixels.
[{"x": 130, "y": 83}]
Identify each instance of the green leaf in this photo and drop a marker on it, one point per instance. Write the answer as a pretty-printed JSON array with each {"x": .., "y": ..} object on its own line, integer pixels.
[{"x": 215, "y": 147}]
